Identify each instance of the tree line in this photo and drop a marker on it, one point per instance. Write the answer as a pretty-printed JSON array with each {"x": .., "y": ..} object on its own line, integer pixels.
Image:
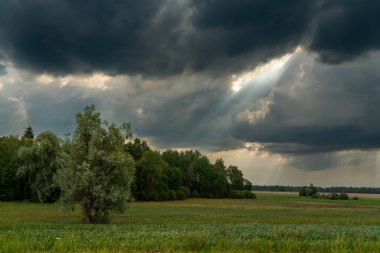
[
  {"x": 332, "y": 189},
  {"x": 100, "y": 166}
]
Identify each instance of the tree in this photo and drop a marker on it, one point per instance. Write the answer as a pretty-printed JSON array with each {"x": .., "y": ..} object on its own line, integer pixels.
[
  {"x": 235, "y": 178},
  {"x": 247, "y": 185},
  {"x": 151, "y": 177},
  {"x": 218, "y": 185},
  {"x": 10, "y": 189},
  {"x": 95, "y": 169},
  {"x": 136, "y": 148},
  {"x": 308, "y": 191},
  {"x": 28, "y": 133},
  {"x": 39, "y": 163}
]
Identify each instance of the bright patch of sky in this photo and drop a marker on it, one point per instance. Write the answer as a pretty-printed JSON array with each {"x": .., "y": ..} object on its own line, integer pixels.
[{"x": 267, "y": 73}]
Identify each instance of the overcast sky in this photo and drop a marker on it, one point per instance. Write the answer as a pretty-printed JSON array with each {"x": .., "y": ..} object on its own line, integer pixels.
[{"x": 289, "y": 90}]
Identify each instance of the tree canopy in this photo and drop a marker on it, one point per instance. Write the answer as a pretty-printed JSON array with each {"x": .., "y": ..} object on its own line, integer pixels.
[
  {"x": 100, "y": 167},
  {"x": 95, "y": 169}
]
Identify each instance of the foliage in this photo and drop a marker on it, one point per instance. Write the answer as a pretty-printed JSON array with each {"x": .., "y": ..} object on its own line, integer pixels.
[
  {"x": 156, "y": 180},
  {"x": 308, "y": 191},
  {"x": 95, "y": 147},
  {"x": 242, "y": 194},
  {"x": 288, "y": 188},
  {"x": 247, "y": 185},
  {"x": 39, "y": 163},
  {"x": 28, "y": 133},
  {"x": 235, "y": 178},
  {"x": 10, "y": 187},
  {"x": 136, "y": 148},
  {"x": 204, "y": 179},
  {"x": 95, "y": 169}
]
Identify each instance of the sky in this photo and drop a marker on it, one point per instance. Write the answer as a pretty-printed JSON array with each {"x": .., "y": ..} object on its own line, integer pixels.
[{"x": 289, "y": 91}]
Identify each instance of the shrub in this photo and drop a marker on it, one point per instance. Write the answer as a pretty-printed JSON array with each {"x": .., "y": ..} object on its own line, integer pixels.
[
  {"x": 236, "y": 194},
  {"x": 182, "y": 194},
  {"x": 343, "y": 196},
  {"x": 249, "y": 194},
  {"x": 315, "y": 196},
  {"x": 307, "y": 191},
  {"x": 195, "y": 194},
  {"x": 355, "y": 198},
  {"x": 172, "y": 195},
  {"x": 150, "y": 196},
  {"x": 334, "y": 196},
  {"x": 164, "y": 195},
  {"x": 242, "y": 194}
]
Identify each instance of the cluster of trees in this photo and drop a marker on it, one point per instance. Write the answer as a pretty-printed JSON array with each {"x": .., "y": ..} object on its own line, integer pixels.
[
  {"x": 102, "y": 169},
  {"x": 288, "y": 188},
  {"x": 179, "y": 175},
  {"x": 308, "y": 191},
  {"x": 312, "y": 192}
]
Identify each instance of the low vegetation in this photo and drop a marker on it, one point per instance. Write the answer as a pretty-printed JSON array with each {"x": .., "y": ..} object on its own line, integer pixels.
[
  {"x": 272, "y": 223},
  {"x": 312, "y": 192}
]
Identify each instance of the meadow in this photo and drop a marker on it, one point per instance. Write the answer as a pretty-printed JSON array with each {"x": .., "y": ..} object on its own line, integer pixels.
[{"x": 271, "y": 223}]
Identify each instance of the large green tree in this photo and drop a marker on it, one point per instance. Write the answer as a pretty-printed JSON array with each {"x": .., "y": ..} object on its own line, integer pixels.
[
  {"x": 136, "y": 148},
  {"x": 10, "y": 187},
  {"x": 96, "y": 171},
  {"x": 151, "y": 177},
  {"x": 39, "y": 163},
  {"x": 235, "y": 178}
]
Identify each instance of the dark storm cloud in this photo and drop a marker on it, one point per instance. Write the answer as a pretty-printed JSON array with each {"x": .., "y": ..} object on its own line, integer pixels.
[
  {"x": 149, "y": 37},
  {"x": 74, "y": 36},
  {"x": 163, "y": 37},
  {"x": 346, "y": 30},
  {"x": 320, "y": 108}
]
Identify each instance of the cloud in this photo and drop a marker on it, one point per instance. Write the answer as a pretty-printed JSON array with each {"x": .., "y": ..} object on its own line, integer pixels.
[
  {"x": 346, "y": 30},
  {"x": 166, "y": 37},
  {"x": 153, "y": 37},
  {"x": 319, "y": 108},
  {"x": 167, "y": 67},
  {"x": 3, "y": 69}
]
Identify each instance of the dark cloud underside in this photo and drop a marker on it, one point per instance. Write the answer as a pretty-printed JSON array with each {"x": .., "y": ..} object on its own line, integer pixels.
[
  {"x": 347, "y": 29},
  {"x": 156, "y": 37}
]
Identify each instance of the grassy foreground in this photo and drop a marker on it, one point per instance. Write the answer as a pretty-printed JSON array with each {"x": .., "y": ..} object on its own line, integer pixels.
[{"x": 271, "y": 223}]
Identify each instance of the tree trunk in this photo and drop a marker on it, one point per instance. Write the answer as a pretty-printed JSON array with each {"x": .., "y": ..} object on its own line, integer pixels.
[{"x": 87, "y": 218}]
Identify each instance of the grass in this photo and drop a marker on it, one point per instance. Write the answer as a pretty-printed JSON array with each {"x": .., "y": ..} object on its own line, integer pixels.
[{"x": 271, "y": 223}]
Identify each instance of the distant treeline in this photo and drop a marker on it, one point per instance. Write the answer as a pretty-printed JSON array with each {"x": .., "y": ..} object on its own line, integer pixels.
[{"x": 333, "y": 189}]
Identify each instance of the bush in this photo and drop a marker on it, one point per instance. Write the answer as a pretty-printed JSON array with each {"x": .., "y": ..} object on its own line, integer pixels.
[
  {"x": 194, "y": 194},
  {"x": 355, "y": 198},
  {"x": 164, "y": 195},
  {"x": 242, "y": 194},
  {"x": 172, "y": 195},
  {"x": 236, "y": 194},
  {"x": 315, "y": 196},
  {"x": 334, "y": 196},
  {"x": 150, "y": 196},
  {"x": 182, "y": 193},
  {"x": 249, "y": 194},
  {"x": 308, "y": 191},
  {"x": 343, "y": 196}
]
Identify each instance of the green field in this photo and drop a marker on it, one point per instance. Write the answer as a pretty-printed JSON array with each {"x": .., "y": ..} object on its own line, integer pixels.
[{"x": 271, "y": 223}]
